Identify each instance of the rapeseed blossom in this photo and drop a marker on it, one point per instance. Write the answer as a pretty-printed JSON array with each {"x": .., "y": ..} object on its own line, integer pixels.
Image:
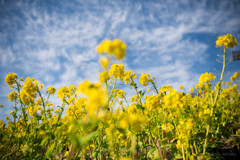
[
  {"x": 95, "y": 93},
  {"x": 117, "y": 70},
  {"x": 12, "y": 96},
  {"x": 104, "y": 77},
  {"x": 11, "y": 79},
  {"x": 228, "y": 41},
  {"x": 29, "y": 90},
  {"x": 144, "y": 79},
  {"x": 115, "y": 47},
  {"x": 51, "y": 90},
  {"x": 129, "y": 75},
  {"x": 121, "y": 93},
  {"x": 104, "y": 62},
  {"x": 181, "y": 87},
  {"x": 62, "y": 93},
  {"x": 235, "y": 76},
  {"x": 152, "y": 102}
]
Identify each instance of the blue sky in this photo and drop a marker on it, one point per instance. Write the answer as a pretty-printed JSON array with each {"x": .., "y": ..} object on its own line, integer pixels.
[{"x": 55, "y": 41}]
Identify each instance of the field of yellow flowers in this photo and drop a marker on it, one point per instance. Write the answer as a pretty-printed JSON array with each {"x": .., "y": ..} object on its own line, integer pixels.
[{"x": 100, "y": 122}]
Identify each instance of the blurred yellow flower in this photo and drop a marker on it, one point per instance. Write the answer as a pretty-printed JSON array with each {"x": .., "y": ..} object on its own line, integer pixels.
[
  {"x": 104, "y": 62},
  {"x": 115, "y": 47},
  {"x": 181, "y": 87}
]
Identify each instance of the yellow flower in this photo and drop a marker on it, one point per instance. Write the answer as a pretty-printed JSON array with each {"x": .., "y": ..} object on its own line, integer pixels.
[
  {"x": 232, "y": 78},
  {"x": 168, "y": 126},
  {"x": 62, "y": 93},
  {"x": 181, "y": 87},
  {"x": 29, "y": 89},
  {"x": 137, "y": 121},
  {"x": 120, "y": 136},
  {"x": 11, "y": 79},
  {"x": 236, "y": 75},
  {"x": 49, "y": 104},
  {"x": 121, "y": 93},
  {"x": 148, "y": 89},
  {"x": 124, "y": 123},
  {"x": 117, "y": 70},
  {"x": 228, "y": 41},
  {"x": 152, "y": 102},
  {"x": 12, "y": 112},
  {"x": 129, "y": 75},
  {"x": 191, "y": 90},
  {"x": 104, "y": 77},
  {"x": 134, "y": 98},
  {"x": 144, "y": 79},
  {"x": 51, "y": 90},
  {"x": 58, "y": 110},
  {"x": 40, "y": 86},
  {"x": 120, "y": 103},
  {"x": 96, "y": 95},
  {"x": 206, "y": 77},
  {"x": 104, "y": 62},
  {"x": 32, "y": 110},
  {"x": 115, "y": 47},
  {"x": 12, "y": 96},
  {"x": 104, "y": 46}
]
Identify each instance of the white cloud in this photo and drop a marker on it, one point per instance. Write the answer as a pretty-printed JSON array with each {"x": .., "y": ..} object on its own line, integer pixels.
[
  {"x": 174, "y": 74},
  {"x": 69, "y": 74}
]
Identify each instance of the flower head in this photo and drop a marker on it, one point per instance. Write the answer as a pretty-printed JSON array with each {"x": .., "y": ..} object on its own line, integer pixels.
[
  {"x": 228, "y": 41},
  {"x": 11, "y": 79},
  {"x": 115, "y": 47}
]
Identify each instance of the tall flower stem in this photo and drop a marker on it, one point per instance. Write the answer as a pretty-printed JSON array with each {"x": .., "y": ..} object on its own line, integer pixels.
[{"x": 215, "y": 100}]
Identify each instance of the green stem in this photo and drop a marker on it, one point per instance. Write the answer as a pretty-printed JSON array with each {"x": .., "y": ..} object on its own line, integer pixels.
[
  {"x": 110, "y": 96},
  {"x": 154, "y": 86},
  {"x": 183, "y": 153},
  {"x": 22, "y": 105},
  {"x": 126, "y": 101},
  {"x": 215, "y": 100},
  {"x": 221, "y": 78},
  {"x": 42, "y": 102}
]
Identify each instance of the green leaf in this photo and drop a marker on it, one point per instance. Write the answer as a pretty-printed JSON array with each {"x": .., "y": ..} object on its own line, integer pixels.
[
  {"x": 140, "y": 107},
  {"x": 50, "y": 151},
  {"x": 44, "y": 141},
  {"x": 83, "y": 141},
  {"x": 150, "y": 153}
]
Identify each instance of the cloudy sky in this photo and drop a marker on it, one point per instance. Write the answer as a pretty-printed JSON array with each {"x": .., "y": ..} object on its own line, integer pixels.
[{"x": 55, "y": 41}]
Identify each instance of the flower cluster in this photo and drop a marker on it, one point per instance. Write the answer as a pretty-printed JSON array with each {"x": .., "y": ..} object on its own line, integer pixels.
[
  {"x": 29, "y": 89},
  {"x": 117, "y": 70},
  {"x": 115, "y": 47},
  {"x": 11, "y": 79},
  {"x": 129, "y": 75},
  {"x": 228, "y": 41},
  {"x": 104, "y": 77},
  {"x": 152, "y": 101},
  {"x": 235, "y": 76},
  {"x": 206, "y": 77},
  {"x": 51, "y": 90},
  {"x": 95, "y": 93},
  {"x": 12, "y": 96},
  {"x": 144, "y": 79}
]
